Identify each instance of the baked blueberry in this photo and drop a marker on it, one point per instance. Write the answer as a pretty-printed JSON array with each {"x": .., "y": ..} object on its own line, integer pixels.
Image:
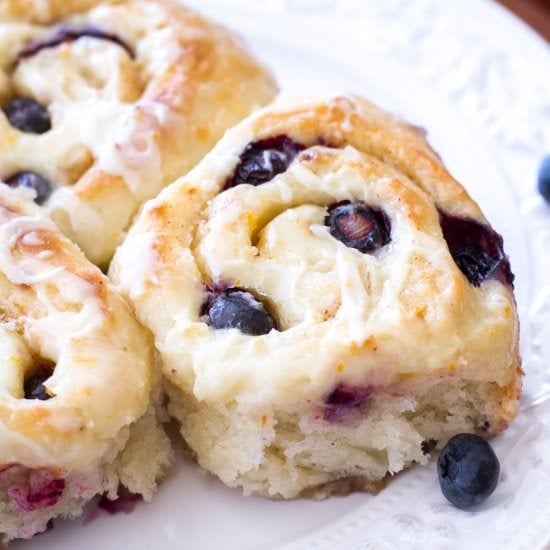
[
  {"x": 65, "y": 34},
  {"x": 262, "y": 160},
  {"x": 477, "y": 249},
  {"x": 237, "y": 308},
  {"x": 32, "y": 180},
  {"x": 345, "y": 398},
  {"x": 468, "y": 470},
  {"x": 28, "y": 115},
  {"x": 35, "y": 389},
  {"x": 41, "y": 491},
  {"x": 358, "y": 226},
  {"x": 475, "y": 263},
  {"x": 543, "y": 183}
]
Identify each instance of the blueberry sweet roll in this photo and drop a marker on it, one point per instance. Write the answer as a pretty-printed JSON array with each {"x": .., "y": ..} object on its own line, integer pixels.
[
  {"x": 328, "y": 302},
  {"x": 77, "y": 376},
  {"x": 105, "y": 102}
]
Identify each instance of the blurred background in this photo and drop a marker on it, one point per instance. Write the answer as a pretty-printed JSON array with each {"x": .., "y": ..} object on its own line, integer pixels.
[{"x": 534, "y": 12}]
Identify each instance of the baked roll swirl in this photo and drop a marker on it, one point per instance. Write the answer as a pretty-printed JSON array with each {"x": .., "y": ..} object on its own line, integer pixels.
[
  {"x": 327, "y": 300},
  {"x": 76, "y": 377},
  {"x": 105, "y": 102}
]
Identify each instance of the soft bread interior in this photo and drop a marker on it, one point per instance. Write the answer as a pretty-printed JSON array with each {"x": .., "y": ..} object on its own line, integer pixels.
[{"x": 300, "y": 453}]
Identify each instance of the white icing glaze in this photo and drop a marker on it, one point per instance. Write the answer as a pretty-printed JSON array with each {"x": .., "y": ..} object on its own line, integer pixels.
[
  {"x": 59, "y": 308},
  {"x": 116, "y": 120}
]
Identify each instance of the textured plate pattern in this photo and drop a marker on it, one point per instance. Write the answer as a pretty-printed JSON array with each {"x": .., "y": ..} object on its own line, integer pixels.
[{"x": 477, "y": 79}]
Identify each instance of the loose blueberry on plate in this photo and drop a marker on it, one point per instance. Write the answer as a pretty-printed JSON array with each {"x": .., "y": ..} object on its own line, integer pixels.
[
  {"x": 35, "y": 389},
  {"x": 468, "y": 470},
  {"x": 262, "y": 160},
  {"x": 477, "y": 250},
  {"x": 28, "y": 115},
  {"x": 32, "y": 180},
  {"x": 543, "y": 183},
  {"x": 237, "y": 308},
  {"x": 358, "y": 226}
]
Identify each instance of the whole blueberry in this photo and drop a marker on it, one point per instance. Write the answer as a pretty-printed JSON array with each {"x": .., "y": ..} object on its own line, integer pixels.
[
  {"x": 468, "y": 470},
  {"x": 32, "y": 180},
  {"x": 358, "y": 226},
  {"x": 65, "y": 34},
  {"x": 237, "y": 308},
  {"x": 28, "y": 115},
  {"x": 544, "y": 178},
  {"x": 262, "y": 160},
  {"x": 35, "y": 389}
]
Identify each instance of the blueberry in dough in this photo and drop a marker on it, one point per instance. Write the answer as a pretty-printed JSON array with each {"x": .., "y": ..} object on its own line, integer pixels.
[
  {"x": 262, "y": 160},
  {"x": 27, "y": 115},
  {"x": 32, "y": 180},
  {"x": 477, "y": 249}
]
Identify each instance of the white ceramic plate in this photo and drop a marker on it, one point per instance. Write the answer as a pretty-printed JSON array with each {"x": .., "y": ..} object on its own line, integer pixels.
[{"x": 477, "y": 80}]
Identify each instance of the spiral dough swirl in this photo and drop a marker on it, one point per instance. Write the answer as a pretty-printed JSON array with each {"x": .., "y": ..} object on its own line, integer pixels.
[{"x": 380, "y": 276}]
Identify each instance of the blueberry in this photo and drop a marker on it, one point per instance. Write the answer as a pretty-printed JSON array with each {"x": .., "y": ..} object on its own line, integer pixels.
[
  {"x": 345, "y": 398},
  {"x": 475, "y": 263},
  {"x": 28, "y": 115},
  {"x": 237, "y": 308},
  {"x": 65, "y": 34},
  {"x": 358, "y": 226},
  {"x": 32, "y": 180},
  {"x": 477, "y": 250},
  {"x": 428, "y": 445},
  {"x": 262, "y": 160},
  {"x": 468, "y": 470},
  {"x": 35, "y": 389},
  {"x": 544, "y": 178}
]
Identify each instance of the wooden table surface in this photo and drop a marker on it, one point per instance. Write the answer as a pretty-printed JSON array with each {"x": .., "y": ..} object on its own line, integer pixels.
[{"x": 536, "y": 13}]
